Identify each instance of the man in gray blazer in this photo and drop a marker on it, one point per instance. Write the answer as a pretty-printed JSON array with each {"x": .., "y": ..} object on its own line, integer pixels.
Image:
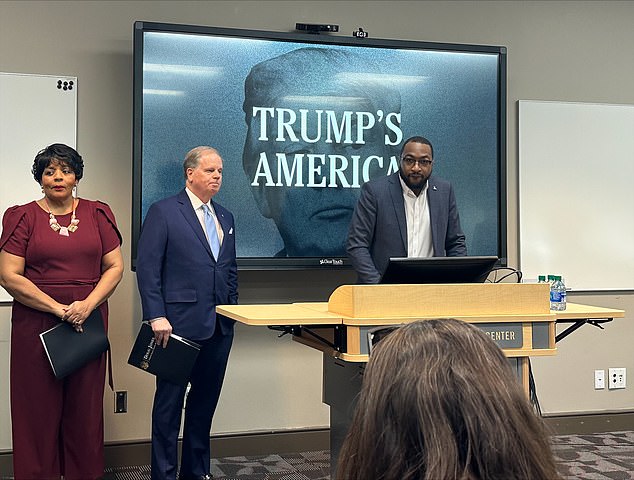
[{"x": 407, "y": 214}]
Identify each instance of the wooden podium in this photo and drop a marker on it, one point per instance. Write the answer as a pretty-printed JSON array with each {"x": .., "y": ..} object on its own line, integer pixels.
[{"x": 516, "y": 316}]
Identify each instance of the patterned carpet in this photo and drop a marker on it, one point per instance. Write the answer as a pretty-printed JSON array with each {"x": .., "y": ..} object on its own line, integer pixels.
[
  {"x": 607, "y": 456},
  {"x": 596, "y": 457},
  {"x": 294, "y": 466}
]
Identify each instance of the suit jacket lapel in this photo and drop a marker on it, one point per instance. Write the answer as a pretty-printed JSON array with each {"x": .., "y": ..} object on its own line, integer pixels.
[
  {"x": 432, "y": 197},
  {"x": 185, "y": 206},
  {"x": 396, "y": 193}
]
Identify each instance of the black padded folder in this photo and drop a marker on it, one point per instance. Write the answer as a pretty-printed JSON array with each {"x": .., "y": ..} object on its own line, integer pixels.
[
  {"x": 69, "y": 350},
  {"x": 173, "y": 363}
]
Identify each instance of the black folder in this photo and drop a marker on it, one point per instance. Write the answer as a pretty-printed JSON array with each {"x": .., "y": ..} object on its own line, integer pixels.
[
  {"x": 173, "y": 363},
  {"x": 69, "y": 350}
]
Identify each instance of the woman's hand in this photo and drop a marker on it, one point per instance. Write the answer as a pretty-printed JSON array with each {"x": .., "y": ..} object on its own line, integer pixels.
[
  {"x": 77, "y": 313},
  {"x": 59, "y": 310},
  {"x": 111, "y": 272}
]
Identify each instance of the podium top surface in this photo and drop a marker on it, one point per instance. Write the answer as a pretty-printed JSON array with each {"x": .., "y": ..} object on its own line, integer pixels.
[
  {"x": 279, "y": 314},
  {"x": 393, "y": 304},
  {"x": 576, "y": 311},
  {"x": 317, "y": 313}
]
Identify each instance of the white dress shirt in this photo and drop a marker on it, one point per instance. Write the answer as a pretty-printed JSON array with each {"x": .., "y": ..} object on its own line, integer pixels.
[{"x": 419, "y": 241}]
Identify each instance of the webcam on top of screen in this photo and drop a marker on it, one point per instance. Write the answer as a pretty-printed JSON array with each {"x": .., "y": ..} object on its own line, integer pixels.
[
  {"x": 360, "y": 33},
  {"x": 317, "y": 27}
]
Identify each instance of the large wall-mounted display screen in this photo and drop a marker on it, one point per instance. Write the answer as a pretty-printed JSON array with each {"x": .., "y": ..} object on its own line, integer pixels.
[{"x": 302, "y": 121}]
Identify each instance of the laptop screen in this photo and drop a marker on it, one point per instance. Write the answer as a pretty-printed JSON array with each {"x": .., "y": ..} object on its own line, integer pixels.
[{"x": 473, "y": 269}]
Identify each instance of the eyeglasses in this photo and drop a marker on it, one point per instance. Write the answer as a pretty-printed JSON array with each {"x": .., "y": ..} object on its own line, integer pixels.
[{"x": 410, "y": 162}]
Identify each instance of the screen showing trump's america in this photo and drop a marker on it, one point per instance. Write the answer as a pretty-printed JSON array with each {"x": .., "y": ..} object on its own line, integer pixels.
[{"x": 302, "y": 121}]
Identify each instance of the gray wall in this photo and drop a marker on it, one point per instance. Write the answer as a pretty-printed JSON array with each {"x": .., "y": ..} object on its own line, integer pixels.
[{"x": 568, "y": 51}]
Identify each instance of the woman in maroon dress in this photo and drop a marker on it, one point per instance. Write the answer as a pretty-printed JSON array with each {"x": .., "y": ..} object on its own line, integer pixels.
[{"x": 60, "y": 258}]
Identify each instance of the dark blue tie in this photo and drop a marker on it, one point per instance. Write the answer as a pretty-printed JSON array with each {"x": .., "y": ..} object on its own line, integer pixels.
[{"x": 212, "y": 232}]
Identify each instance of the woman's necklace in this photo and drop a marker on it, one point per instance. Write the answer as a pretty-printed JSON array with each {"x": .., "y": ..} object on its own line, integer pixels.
[{"x": 56, "y": 227}]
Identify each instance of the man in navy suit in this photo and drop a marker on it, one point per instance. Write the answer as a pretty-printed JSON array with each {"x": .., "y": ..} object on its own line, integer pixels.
[
  {"x": 407, "y": 214},
  {"x": 186, "y": 265}
]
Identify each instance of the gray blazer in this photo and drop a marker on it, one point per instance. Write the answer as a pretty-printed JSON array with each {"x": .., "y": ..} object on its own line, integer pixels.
[{"x": 378, "y": 229}]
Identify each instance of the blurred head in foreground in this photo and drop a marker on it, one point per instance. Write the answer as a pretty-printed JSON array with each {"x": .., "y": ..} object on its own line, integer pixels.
[{"x": 440, "y": 401}]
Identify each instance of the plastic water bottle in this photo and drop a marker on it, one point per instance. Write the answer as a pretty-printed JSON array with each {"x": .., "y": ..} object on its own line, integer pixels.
[
  {"x": 563, "y": 293},
  {"x": 557, "y": 294}
]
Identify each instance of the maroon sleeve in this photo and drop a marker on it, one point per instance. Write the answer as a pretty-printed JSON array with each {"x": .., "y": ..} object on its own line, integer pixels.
[
  {"x": 108, "y": 231},
  {"x": 15, "y": 231}
]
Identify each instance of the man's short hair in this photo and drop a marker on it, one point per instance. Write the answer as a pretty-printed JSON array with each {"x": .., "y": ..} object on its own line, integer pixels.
[
  {"x": 192, "y": 158},
  {"x": 418, "y": 139}
]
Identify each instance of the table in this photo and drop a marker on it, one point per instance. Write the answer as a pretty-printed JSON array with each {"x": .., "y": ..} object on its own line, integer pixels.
[{"x": 516, "y": 316}]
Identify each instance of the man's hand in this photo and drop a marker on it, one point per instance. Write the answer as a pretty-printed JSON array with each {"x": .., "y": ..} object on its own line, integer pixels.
[{"x": 162, "y": 329}]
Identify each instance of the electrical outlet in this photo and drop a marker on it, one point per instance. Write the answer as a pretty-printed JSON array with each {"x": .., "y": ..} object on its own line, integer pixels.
[
  {"x": 617, "y": 378},
  {"x": 599, "y": 379},
  {"x": 120, "y": 402}
]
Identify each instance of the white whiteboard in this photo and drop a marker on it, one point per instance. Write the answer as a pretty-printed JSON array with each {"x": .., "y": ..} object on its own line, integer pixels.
[
  {"x": 576, "y": 193},
  {"x": 34, "y": 113}
]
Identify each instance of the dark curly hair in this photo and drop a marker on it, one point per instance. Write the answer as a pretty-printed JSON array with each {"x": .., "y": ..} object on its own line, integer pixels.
[{"x": 61, "y": 153}]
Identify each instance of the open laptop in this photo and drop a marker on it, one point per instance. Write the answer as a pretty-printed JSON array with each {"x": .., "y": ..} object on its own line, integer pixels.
[{"x": 473, "y": 269}]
